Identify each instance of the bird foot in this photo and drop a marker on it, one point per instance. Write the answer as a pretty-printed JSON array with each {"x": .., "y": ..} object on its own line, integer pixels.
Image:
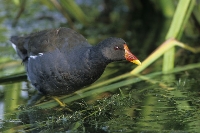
[{"x": 57, "y": 100}]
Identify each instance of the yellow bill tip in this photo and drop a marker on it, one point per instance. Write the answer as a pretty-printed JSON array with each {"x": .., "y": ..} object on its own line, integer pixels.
[{"x": 136, "y": 62}]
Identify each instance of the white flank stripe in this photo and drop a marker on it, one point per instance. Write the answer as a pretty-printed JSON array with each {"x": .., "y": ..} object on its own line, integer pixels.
[{"x": 35, "y": 56}]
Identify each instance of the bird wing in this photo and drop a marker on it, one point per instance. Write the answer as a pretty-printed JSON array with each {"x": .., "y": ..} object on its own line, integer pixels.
[{"x": 64, "y": 39}]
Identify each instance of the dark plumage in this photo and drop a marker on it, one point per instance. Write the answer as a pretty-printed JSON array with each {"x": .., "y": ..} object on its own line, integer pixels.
[{"x": 61, "y": 61}]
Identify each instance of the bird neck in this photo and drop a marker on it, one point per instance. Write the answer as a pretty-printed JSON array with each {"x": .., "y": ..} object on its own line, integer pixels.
[{"x": 97, "y": 57}]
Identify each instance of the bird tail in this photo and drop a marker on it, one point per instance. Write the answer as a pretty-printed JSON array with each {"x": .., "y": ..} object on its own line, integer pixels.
[{"x": 14, "y": 39}]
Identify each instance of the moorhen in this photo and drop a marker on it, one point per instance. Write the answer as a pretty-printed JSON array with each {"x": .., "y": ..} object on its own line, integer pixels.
[{"x": 61, "y": 61}]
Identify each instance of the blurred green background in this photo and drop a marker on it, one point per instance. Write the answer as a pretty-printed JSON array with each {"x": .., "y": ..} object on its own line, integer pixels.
[{"x": 153, "y": 102}]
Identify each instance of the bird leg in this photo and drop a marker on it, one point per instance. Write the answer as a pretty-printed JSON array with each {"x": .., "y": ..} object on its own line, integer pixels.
[{"x": 57, "y": 100}]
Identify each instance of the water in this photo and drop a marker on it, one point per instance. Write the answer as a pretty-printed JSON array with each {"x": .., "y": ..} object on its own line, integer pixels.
[
  {"x": 145, "y": 107},
  {"x": 165, "y": 103}
]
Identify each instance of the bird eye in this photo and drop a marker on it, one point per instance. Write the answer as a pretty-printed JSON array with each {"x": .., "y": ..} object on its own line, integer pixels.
[{"x": 116, "y": 48}]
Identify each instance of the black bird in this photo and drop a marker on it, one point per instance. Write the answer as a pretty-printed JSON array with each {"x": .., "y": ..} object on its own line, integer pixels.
[{"x": 61, "y": 61}]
